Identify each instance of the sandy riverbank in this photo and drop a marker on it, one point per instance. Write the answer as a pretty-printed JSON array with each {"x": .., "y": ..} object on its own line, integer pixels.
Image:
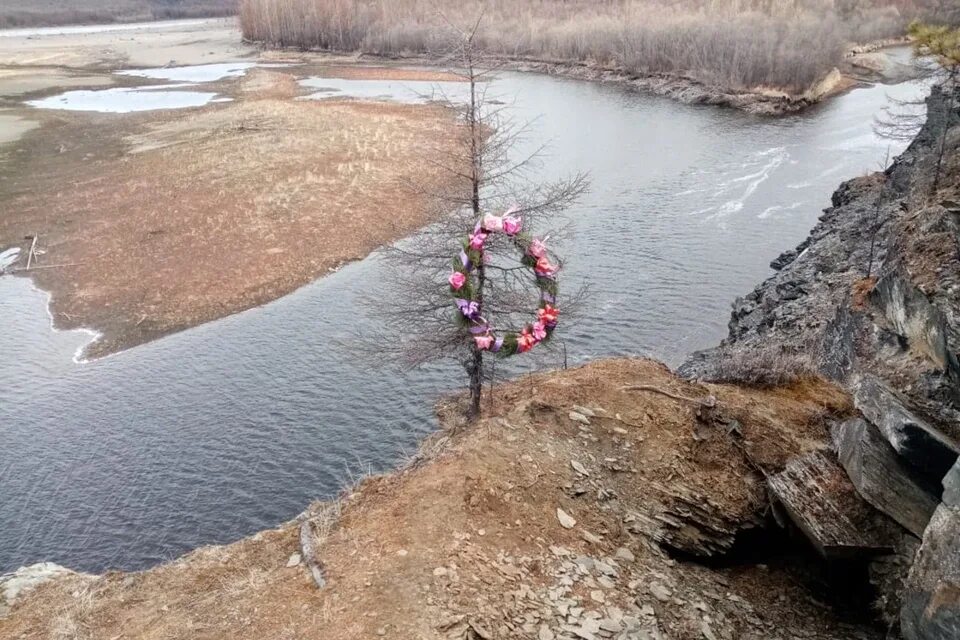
[{"x": 167, "y": 219}]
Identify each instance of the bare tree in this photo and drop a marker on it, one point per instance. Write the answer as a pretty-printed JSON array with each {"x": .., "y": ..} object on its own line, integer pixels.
[
  {"x": 936, "y": 58},
  {"x": 483, "y": 173}
]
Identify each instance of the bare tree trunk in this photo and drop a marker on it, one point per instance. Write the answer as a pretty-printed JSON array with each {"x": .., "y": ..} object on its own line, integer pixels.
[
  {"x": 950, "y": 88},
  {"x": 476, "y": 366}
]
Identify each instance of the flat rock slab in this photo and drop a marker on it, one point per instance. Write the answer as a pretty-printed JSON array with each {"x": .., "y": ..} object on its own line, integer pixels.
[
  {"x": 880, "y": 476},
  {"x": 922, "y": 447},
  {"x": 820, "y": 499}
]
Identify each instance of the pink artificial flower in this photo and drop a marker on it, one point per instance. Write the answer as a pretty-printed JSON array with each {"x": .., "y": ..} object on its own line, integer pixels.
[
  {"x": 477, "y": 238},
  {"x": 548, "y": 314},
  {"x": 539, "y": 331},
  {"x": 525, "y": 341},
  {"x": 537, "y": 248},
  {"x": 544, "y": 268},
  {"x": 492, "y": 223},
  {"x": 512, "y": 225},
  {"x": 457, "y": 280},
  {"x": 483, "y": 342}
]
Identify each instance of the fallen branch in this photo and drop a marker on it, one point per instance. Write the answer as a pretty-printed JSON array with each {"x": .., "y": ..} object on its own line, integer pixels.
[
  {"x": 47, "y": 266},
  {"x": 708, "y": 401}
]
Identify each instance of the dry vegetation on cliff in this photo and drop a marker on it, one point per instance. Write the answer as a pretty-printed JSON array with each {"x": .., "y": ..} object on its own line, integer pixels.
[{"x": 732, "y": 43}]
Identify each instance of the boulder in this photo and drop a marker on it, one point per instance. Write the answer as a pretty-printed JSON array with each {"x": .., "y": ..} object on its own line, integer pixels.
[
  {"x": 881, "y": 478},
  {"x": 926, "y": 451},
  {"x": 951, "y": 487},
  {"x": 931, "y": 599},
  {"x": 818, "y": 497}
]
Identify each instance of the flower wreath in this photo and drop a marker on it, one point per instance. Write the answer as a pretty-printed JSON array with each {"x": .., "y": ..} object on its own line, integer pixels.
[{"x": 534, "y": 252}]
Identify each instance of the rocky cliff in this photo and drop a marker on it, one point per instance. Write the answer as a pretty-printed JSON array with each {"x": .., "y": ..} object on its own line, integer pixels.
[{"x": 871, "y": 300}]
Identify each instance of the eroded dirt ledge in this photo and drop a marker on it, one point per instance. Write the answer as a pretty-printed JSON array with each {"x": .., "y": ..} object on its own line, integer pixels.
[{"x": 467, "y": 541}]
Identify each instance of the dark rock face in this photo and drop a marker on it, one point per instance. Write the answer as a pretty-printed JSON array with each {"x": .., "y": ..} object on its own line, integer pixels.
[
  {"x": 927, "y": 452},
  {"x": 880, "y": 476},
  {"x": 912, "y": 316}
]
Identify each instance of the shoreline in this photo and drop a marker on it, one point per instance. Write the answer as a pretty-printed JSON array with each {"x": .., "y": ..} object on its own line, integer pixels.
[{"x": 771, "y": 102}]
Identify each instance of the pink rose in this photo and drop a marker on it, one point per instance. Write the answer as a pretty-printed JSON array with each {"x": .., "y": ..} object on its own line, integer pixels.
[
  {"x": 539, "y": 331},
  {"x": 477, "y": 238},
  {"x": 537, "y": 248},
  {"x": 512, "y": 225},
  {"x": 457, "y": 280},
  {"x": 483, "y": 342},
  {"x": 492, "y": 223}
]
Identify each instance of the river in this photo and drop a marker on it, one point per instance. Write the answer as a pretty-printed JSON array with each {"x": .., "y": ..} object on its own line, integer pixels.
[{"x": 234, "y": 426}]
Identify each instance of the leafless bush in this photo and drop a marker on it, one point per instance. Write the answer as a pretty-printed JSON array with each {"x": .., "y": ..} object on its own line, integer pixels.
[
  {"x": 734, "y": 43},
  {"x": 762, "y": 367}
]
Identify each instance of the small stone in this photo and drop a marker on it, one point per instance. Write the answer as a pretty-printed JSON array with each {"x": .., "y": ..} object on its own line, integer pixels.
[
  {"x": 294, "y": 560},
  {"x": 579, "y": 468},
  {"x": 624, "y": 554},
  {"x": 481, "y": 631},
  {"x": 381, "y": 631},
  {"x": 613, "y": 626},
  {"x": 566, "y": 520},
  {"x": 579, "y": 417},
  {"x": 606, "y": 582},
  {"x": 597, "y": 596},
  {"x": 591, "y": 537},
  {"x": 559, "y": 551},
  {"x": 660, "y": 592},
  {"x": 545, "y": 633},
  {"x": 620, "y": 430},
  {"x": 584, "y": 410},
  {"x": 707, "y": 631},
  {"x": 402, "y": 553},
  {"x": 440, "y": 571}
]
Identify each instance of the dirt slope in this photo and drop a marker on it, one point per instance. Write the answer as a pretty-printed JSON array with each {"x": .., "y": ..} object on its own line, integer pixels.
[{"x": 467, "y": 541}]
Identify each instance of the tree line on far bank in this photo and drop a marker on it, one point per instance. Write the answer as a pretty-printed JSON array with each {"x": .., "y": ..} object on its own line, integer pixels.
[
  {"x": 738, "y": 44},
  {"x": 43, "y": 13}
]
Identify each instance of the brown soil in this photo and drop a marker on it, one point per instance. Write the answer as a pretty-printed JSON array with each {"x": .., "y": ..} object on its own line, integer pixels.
[
  {"x": 466, "y": 542},
  {"x": 171, "y": 219}
]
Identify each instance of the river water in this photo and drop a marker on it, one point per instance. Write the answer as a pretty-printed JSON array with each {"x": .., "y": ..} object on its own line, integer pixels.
[{"x": 214, "y": 433}]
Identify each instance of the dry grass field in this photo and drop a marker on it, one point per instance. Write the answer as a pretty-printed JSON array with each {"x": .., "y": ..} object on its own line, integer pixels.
[
  {"x": 31, "y": 13},
  {"x": 738, "y": 44},
  {"x": 235, "y": 205}
]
